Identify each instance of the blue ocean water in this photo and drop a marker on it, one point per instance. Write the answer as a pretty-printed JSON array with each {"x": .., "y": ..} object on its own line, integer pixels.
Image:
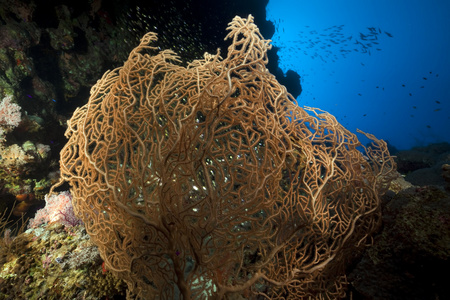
[{"x": 381, "y": 66}]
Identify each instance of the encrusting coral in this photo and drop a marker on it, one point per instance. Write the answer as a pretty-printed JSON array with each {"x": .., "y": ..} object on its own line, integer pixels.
[
  {"x": 21, "y": 165},
  {"x": 54, "y": 262},
  {"x": 210, "y": 181}
]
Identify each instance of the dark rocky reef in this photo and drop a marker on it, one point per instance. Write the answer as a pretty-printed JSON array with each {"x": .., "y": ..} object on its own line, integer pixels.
[{"x": 411, "y": 254}]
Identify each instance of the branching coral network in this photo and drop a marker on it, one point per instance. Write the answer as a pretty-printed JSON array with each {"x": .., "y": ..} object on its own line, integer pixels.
[{"x": 209, "y": 181}]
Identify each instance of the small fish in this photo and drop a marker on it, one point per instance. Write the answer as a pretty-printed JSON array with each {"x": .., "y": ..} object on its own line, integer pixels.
[
  {"x": 410, "y": 94},
  {"x": 437, "y": 109},
  {"x": 414, "y": 107},
  {"x": 388, "y": 34},
  {"x": 424, "y": 78},
  {"x": 403, "y": 85},
  {"x": 437, "y": 102},
  {"x": 428, "y": 126}
]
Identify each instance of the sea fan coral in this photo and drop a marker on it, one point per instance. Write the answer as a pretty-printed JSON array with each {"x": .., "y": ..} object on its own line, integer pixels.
[{"x": 205, "y": 181}]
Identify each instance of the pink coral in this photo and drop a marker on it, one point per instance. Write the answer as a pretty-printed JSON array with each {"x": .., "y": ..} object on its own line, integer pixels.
[
  {"x": 58, "y": 208},
  {"x": 9, "y": 112}
]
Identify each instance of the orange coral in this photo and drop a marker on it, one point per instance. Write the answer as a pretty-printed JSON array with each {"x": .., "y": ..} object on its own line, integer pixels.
[{"x": 208, "y": 180}]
